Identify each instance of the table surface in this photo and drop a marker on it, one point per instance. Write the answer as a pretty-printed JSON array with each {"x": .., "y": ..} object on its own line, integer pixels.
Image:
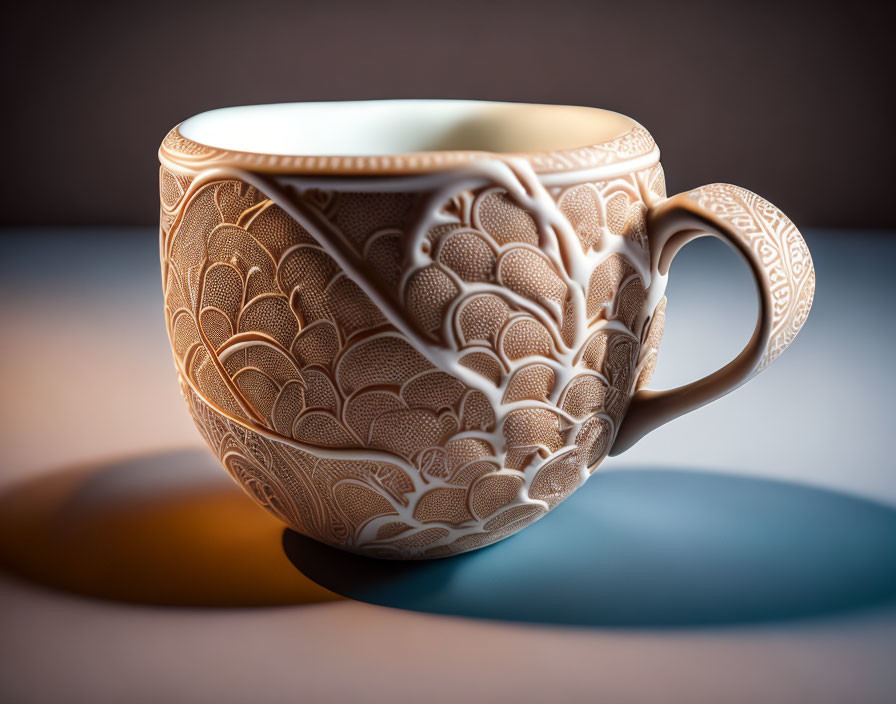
[{"x": 136, "y": 571}]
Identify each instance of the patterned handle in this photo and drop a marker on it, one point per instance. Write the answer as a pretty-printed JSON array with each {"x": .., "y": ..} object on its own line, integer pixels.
[{"x": 785, "y": 280}]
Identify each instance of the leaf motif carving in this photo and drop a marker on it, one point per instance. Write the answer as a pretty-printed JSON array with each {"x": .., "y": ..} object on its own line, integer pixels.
[{"x": 413, "y": 373}]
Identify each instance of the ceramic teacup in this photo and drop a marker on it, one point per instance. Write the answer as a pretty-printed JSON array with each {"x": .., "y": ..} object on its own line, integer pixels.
[{"x": 411, "y": 328}]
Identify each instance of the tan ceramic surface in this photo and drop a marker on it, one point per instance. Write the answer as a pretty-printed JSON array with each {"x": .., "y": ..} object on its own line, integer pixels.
[{"x": 420, "y": 369}]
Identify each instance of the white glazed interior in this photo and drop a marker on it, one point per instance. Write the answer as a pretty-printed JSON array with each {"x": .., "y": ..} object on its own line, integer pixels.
[{"x": 388, "y": 127}]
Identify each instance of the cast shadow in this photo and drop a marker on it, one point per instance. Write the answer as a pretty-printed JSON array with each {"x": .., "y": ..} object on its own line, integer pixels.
[
  {"x": 649, "y": 548},
  {"x": 166, "y": 529}
]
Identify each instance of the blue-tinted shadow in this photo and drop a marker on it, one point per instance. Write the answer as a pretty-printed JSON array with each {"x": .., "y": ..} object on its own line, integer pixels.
[{"x": 648, "y": 548}]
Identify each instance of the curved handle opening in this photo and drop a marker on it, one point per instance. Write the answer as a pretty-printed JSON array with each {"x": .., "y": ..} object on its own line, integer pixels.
[{"x": 779, "y": 260}]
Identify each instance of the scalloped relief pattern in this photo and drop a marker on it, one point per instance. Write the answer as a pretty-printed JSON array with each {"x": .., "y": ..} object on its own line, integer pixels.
[{"x": 409, "y": 374}]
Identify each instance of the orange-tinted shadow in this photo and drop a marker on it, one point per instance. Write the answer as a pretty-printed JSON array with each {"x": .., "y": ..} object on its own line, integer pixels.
[{"x": 165, "y": 529}]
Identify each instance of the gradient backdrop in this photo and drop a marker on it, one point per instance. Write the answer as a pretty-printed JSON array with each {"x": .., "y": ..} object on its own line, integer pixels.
[
  {"x": 743, "y": 553},
  {"x": 791, "y": 99}
]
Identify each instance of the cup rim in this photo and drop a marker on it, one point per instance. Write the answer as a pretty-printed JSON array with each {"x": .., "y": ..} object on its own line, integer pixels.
[{"x": 600, "y": 138}]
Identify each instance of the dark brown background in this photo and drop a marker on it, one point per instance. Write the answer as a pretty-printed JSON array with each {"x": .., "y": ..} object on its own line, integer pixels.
[{"x": 793, "y": 100}]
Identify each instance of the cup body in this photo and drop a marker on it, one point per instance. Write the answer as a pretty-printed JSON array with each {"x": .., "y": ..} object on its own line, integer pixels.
[{"x": 417, "y": 362}]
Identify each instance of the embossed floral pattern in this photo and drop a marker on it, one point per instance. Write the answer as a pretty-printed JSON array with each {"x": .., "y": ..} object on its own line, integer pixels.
[{"x": 408, "y": 374}]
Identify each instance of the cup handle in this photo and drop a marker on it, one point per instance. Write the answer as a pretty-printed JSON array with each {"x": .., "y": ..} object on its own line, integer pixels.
[{"x": 785, "y": 281}]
